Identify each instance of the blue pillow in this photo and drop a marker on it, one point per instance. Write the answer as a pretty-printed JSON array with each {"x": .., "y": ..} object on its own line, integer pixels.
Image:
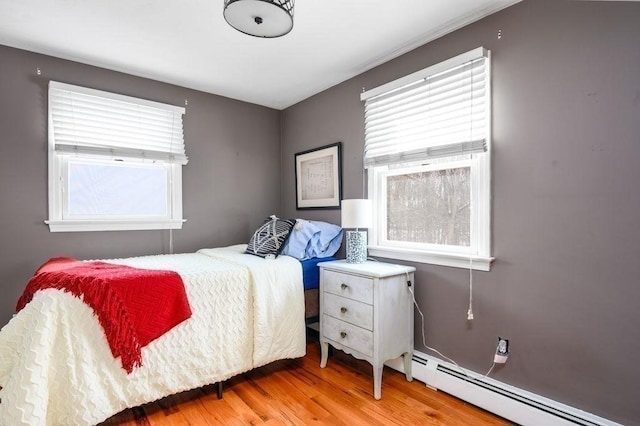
[
  {"x": 326, "y": 242},
  {"x": 301, "y": 234},
  {"x": 309, "y": 239}
]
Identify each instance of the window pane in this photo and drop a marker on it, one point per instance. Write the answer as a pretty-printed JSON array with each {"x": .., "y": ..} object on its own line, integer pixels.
[
  {"x": 430, "y": 207},
  {"x": 123, "y": 190}
]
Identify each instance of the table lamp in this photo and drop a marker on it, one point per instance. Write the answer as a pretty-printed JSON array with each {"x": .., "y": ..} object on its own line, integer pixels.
[{"x": 356, "y": 214}]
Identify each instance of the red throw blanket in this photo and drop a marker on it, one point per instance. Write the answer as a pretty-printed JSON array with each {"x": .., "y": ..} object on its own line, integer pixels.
[{"x": 134, "y": 306}]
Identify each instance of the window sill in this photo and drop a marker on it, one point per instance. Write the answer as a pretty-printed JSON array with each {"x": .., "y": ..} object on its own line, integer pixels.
[
  {"x": 478, "y": 263},
  {"x": 111, "y": 225}
]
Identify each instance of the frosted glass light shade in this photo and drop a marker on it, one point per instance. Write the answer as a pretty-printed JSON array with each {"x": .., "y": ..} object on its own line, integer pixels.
[
  {"x": 356, "y": 213},
  {"x": 260, "y": 18}
]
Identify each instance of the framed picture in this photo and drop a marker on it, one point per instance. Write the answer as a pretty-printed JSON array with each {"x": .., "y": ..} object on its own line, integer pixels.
[{"x": 319, "y": 177}]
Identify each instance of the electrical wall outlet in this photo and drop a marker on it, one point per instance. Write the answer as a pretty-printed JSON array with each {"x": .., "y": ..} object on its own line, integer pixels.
[{"x": 502, "y": 351}]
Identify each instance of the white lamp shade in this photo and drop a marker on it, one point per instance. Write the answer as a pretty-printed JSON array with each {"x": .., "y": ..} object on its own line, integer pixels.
[{"x": 356, "y": 213}]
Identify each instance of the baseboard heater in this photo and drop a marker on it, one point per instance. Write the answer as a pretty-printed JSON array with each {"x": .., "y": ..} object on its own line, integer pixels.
[{"x": 504, "y": 400}]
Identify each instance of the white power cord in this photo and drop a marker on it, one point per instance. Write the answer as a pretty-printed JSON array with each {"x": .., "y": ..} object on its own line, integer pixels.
[
  {"x": 424, "y": 341},
  {"x": 470, "y": 311}
]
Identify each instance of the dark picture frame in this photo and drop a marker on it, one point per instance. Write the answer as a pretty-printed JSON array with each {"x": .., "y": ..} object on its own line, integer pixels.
[{"x": 319, "y": 177}]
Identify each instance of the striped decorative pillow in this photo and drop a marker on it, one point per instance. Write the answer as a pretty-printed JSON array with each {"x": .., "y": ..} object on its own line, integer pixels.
[{"x": 270, "y": 237}]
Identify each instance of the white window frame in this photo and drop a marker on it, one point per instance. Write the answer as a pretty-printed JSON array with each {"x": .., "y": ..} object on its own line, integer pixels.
[
  {"x": 58, "y": 162},
  {"x": 478, "y": 255}
]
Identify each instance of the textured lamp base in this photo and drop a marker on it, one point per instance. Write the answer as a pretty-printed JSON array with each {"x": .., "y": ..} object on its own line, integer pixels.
[{"x": 356, "y": 246}]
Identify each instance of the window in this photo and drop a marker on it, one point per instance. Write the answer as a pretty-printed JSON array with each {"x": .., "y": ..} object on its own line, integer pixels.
[
  {"x": 115, "y": 162},
  {"x": 427, "y": 151}
]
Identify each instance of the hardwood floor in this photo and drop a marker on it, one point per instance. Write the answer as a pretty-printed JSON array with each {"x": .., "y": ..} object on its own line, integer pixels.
[{"x": 299, "y": 392}]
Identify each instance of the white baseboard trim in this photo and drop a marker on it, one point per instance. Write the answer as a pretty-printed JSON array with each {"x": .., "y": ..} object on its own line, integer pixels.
[{"x": 504, "y": 400}]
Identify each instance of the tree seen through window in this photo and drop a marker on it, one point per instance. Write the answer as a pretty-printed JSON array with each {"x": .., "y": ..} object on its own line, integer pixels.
[{"x": 431, "y": 207}]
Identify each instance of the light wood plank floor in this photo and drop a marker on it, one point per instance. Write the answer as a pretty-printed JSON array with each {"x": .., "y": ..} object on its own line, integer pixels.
[{"x": 299, "y": 392}]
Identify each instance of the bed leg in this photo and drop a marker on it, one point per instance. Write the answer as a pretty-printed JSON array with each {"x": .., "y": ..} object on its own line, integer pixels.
[{"x": 219, "y": 390}]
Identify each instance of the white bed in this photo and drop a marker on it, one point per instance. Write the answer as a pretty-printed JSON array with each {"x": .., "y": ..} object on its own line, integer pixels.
[{"x": 56, "y": 367}]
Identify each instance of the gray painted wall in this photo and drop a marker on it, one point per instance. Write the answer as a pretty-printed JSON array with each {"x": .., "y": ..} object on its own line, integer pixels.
[
  {"x": 564, "y": 288},
  {"x": 229, "y": 186},
  {"x": 566, "y": 142}
]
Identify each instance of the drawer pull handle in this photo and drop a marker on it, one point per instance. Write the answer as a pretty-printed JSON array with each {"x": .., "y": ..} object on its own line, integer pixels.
[
  {"x": 343, "y": 334},
  {"x": 343, "y": 310},
  {"x": 343, "y": 286}
]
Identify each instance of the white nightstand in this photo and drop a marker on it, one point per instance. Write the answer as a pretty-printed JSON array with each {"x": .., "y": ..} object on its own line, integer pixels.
[{"x": 366, "y": 310}]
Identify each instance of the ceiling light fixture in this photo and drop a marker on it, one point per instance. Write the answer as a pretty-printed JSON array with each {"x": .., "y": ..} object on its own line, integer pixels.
[{"x": 260, "y": 18}]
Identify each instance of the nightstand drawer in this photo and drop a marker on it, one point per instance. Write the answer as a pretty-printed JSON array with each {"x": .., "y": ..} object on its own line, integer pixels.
[
  {"x": 351, "y": 311},
  {"x": 351, "y": 286},
  {"x": 348, "y": 335}
]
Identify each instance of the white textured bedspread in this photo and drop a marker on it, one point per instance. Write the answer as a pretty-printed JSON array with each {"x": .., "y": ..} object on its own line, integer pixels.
[{"x": 56, "y": 367}]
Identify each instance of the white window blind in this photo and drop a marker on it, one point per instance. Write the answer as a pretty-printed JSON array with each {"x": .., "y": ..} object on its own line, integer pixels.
[
  {"x": 93, "y": 122},
  {"x": 437, "y": 112}
]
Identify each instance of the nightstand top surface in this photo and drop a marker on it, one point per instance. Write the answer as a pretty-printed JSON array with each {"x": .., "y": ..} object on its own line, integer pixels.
[{"x": 368, "y": 268}]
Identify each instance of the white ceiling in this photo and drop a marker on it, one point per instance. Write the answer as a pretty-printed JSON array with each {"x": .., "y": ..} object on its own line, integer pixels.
[{"x": 188, "y": 42}]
